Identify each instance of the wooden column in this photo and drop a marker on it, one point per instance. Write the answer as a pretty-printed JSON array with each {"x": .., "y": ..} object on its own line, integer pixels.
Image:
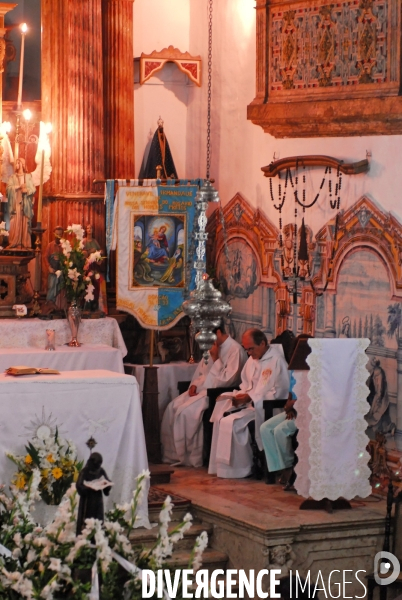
[
  {"x": 118, "y": 73},
  {"x": 72, "y": 93},
  {"x": 72, "y": 100}
]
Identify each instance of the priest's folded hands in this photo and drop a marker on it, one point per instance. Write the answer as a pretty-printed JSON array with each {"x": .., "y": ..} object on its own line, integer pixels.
[{"x": 240, "y": 399}]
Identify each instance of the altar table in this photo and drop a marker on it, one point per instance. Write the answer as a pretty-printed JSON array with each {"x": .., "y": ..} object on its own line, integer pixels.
[
  {"x": 169, "y": 375},
  {"x": 22, "y": 333},
  {"x": 80, "y": 404},
  {"x": 64, "y": 358}
]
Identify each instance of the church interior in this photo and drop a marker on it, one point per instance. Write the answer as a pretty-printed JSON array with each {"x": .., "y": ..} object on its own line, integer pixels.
[{"x": 177, "y": 177}]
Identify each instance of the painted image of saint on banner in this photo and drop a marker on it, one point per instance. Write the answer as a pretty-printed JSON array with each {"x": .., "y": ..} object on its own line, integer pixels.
[{"x": 158, "y": 256}]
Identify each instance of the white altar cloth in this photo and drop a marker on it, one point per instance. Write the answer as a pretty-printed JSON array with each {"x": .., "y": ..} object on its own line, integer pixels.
[
  {"x": 169, "y": 375},
  {"x": 331, "y": 404},
  {"x": 20, "y": 333},
  {"x": 64, "y": 358},
  {"x": 81, "y": 404}
]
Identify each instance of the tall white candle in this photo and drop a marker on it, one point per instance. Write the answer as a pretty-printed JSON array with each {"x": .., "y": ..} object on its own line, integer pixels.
[
  {"x": 24, "y": 29},
  {"x": 42, "y": 165}
]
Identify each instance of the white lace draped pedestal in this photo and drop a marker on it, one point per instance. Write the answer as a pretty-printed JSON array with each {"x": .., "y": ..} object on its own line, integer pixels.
[
  {"x": 80, "y": 404},
  {"x": 23, "y": 333},
  {"x": 331, "y": 404}
]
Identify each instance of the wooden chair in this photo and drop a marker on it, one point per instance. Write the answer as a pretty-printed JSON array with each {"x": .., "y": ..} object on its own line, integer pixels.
[
  {"x": 396, "y": 543},
  {"x": 213, "y": 394},
  {"x": 183, "y": 386}
]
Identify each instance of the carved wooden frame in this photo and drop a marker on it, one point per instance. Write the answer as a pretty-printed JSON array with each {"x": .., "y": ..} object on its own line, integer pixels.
[
  {"x": 369, "y": 107},
  {"x": 154, "y": 62}
]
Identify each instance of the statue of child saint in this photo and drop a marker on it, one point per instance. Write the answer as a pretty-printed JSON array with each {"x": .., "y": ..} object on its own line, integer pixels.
[{"x": 91, "y": 498}]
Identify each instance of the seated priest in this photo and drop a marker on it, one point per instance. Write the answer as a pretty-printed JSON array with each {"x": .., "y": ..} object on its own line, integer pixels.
[
  {"x": 265, "y": 377},
  {"x": 182, "y": 431}
]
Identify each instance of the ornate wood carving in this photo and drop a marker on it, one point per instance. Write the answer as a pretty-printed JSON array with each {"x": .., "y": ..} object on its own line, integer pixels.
[
  {"x": 328, "y": 69},
  {"x": 315, "y": 160},
  {"x": 154, "y": 62}
]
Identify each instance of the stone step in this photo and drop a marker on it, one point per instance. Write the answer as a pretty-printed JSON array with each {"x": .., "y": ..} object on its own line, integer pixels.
[
  {"x": 177, "y": 514},
  {"x": 148, "y": 537},
  {"x": 211, "y": 559}
]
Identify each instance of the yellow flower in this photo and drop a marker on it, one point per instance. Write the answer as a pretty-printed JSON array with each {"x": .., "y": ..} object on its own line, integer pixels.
[
  {"x": 28, "y": 459},
  {"x": 57, "y": 472},
  {"x": 50, "y": 458},
  {"x": 20, "y": 480},
  {"x": 76, "y": 473},
  {"x": 45, "y": 473}
]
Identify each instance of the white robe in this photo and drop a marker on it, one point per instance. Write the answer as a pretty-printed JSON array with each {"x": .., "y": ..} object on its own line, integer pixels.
[
  {"x": 263, "y": 379},
  {"x": 182, "y": 434}
]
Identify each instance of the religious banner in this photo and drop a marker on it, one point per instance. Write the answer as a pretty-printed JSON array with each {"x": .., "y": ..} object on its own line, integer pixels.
[{"x": 154, "y": 227}]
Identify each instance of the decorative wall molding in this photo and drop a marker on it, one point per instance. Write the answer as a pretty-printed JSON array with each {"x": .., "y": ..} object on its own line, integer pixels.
[
  {"x": 150, "y": 64},
  {"x": 364, "y": 225},
  {"x": 243, "y": 221},
  {"x": 328, "y": 69}
]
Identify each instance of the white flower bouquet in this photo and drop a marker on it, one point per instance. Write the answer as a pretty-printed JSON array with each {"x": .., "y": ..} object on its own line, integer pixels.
[
  {"x": 75, "y": 266},
  {"x": 50, "y": 563}
]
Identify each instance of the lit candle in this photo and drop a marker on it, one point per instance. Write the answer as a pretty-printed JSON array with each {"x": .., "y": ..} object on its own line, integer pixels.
[
  {"x": 42, "y": 166},
  {"x": 47, "y": 129},
  {"x": 24, "y": 29}
]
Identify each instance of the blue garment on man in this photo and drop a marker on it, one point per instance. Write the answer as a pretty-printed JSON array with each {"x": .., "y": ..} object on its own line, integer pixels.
[{"x": 276, "y": 436}]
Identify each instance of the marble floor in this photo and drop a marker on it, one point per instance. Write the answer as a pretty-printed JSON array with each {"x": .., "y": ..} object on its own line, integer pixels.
[{"x": 262, "y": 506}]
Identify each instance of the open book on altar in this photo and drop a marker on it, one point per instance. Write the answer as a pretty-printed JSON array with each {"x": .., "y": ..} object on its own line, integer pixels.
[
  {"x": 98, "y": 484},
  {"x": 22, "y": 370}
]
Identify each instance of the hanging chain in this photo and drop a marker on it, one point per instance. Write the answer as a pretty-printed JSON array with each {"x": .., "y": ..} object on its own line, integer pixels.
[{"x": 210, "y": 3}]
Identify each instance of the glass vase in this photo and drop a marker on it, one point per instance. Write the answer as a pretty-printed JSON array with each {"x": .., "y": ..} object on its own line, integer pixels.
[{"x": 74, "y": 320}]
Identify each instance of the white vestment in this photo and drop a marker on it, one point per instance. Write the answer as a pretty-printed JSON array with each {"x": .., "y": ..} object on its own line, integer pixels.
[
  {"x": 181, "y": 430},
  {"x": 263, "y": 379}
]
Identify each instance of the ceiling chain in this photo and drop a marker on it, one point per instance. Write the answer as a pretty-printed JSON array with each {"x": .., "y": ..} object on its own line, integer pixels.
[{"x": 210, "y": 6}]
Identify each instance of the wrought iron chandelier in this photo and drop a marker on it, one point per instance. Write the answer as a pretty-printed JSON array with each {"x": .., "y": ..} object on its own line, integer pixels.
[{"x": 206, "y": 306}]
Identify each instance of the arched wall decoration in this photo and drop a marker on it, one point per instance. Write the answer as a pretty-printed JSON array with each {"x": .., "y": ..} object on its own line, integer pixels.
[
  {"x": 364, "y": 225},
  {"x": 242, "y": 220},
  {"x": 190, "y": 65}
]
